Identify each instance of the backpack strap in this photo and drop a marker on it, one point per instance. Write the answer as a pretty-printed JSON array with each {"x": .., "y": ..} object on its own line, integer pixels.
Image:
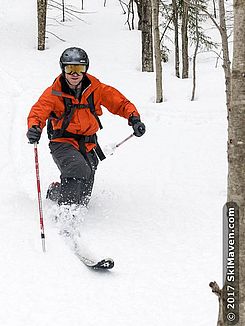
[
  {"x": 67, "y": 115},
  {"x": 69, "y": 111},
  {"x": 90, "y": 100}
]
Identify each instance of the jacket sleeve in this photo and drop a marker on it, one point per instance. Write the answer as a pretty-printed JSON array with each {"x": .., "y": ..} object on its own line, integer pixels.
[
  {"x": 41, "y": 110},
  {"x": 116, "y": 102}
]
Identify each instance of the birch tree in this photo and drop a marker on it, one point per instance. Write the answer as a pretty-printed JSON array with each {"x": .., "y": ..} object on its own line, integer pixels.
[
  {"x": 236, "y": 141},
  {"x": 221, "y": 26},
  {"x": 236, "y": 167},
  {"x": 157, "y": 50},
  {"x": 146, "y": 29},
  {"x": 176, "y": 37},
  {"x": 225, "y": 50},
  {"x": 184, "y": 35},
  {"x": 41, "y": 16},
  {"x": 195, "y": 54}
]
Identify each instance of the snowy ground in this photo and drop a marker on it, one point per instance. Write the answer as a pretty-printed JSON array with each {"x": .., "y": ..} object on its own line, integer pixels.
[{"x": 157, "y": 202}]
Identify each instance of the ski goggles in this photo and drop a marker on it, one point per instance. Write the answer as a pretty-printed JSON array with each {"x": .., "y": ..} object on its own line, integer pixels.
[{"x": 72, "y": 69}]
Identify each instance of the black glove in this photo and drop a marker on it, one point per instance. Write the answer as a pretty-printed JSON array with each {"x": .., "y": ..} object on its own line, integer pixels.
[
  {"x": 138, "y": 126},
  {"x": 34, "y": 134}
]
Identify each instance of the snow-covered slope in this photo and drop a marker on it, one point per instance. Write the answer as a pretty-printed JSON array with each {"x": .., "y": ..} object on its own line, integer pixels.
[{"x": 157, "y": 202}]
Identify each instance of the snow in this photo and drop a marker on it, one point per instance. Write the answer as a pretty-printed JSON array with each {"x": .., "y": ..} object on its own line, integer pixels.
[{"x": 157, "y": 202}]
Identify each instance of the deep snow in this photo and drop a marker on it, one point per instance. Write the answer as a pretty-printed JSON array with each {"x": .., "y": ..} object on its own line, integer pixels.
[{"x": 157, "y": 202}]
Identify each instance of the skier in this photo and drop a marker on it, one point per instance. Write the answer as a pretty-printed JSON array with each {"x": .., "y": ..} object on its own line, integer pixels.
[{"x": 72, "y": 106}]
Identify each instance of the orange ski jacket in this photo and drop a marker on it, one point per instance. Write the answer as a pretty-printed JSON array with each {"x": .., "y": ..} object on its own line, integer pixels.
[{"x": 83, "y": 122}]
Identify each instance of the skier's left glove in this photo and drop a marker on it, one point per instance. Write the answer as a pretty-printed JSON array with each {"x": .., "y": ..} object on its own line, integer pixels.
[{"x": 138, "y": 126}]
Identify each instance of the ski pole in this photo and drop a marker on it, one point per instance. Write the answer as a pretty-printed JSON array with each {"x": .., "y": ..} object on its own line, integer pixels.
[
  {"x": 39, "y": 197},
  {"x": 110, "y": 149},
  {"x": 123, "y": 141}
]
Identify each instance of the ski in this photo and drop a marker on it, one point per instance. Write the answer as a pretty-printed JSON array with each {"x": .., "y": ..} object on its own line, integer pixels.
[
  {"x": 104, "y": 264},
  {"x": 74, "y": 242}
]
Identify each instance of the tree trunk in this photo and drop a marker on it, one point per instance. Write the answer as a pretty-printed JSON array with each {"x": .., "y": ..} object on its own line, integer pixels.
[
  {"x": 195, "y": 54},
  {"x": 157, "y": 50},
  {"x": 146, "y": 28},
  {"x": 131, "y": 5},
  {"x": 41, "y": 14},
  {"x": 236, "y": 141},
  {"x": 225, "y": 49},
  {"x": 139, "y": 11},
  {"x": 63, "y": 10},
  {"x": 176, "y": 37},
  {"x": 214, "y": 6},
  {"x": 235, "y": 97},
  {"x": 184, "y": 34}
]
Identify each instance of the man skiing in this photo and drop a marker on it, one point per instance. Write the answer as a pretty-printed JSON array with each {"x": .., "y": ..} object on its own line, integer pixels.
[{"x": 72, "y": 106}]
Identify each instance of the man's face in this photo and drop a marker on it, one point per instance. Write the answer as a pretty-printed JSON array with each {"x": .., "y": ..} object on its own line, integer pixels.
[
  {"x": 74, "y": 79},
  {"x": 74, "y": 73}
]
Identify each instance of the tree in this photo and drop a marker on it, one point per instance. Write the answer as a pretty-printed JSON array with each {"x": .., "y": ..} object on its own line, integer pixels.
[
  {"x": 63, "y": 10},
  {"x": 195, "y": 53},
  {"x": 225, "y": 46},
  {"x": 157, "y": 50},
  {"x": 201, "y": 5},
  {"x": 41, "y": 14},
  {"x": 225, "y": 50},
  {"x": 197, "y": 34},
  {"x": 139, "y": 11},
  {"x": 236, "y": 141},
  {"x": 146, "y": 30},
  {"x": 176, "y": 36},
  {"x": 184, "y": 35},
  {"x": 236, "y": 163},
  {"x": 130, "y": 11}
]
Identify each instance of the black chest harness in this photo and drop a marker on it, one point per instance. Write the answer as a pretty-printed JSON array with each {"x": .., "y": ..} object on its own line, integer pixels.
[{"x": 70, "y": 108}]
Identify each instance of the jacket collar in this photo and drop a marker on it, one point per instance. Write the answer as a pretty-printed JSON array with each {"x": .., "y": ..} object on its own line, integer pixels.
[
  {"x": 66, "y": 89},
  {"x": 61, "y": 88}
]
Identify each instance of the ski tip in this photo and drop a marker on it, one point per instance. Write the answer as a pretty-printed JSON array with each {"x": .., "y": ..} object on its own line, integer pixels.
[{"x": 107, "y": 263}]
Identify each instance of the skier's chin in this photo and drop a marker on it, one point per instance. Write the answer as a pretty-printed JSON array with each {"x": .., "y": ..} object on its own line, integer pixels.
[
  {"x": 75, "y": 85},
  {"x": 75, "y": 82}
]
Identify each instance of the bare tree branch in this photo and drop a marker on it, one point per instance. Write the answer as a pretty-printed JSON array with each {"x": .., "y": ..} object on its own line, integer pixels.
[
  {"x": 205, "y": 11},
  {"x": 56, "y": 36},
  {"x": 68, "y": 13},
  {"x": 215, "y": 288}
]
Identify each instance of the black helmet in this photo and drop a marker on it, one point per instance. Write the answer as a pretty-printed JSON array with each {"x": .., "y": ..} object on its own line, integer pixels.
[{"x": 74, "y": 56}]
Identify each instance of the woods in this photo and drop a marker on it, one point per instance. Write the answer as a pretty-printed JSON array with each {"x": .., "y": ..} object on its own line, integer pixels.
[
  {"x": 178, "y": 34},
  {"x": 181, "y": 22}
]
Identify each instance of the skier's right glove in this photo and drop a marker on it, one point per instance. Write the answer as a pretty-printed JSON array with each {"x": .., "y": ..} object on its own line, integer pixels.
[{"x": 34, "y": 134}]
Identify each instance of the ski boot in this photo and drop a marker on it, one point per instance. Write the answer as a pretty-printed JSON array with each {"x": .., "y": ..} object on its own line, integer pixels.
[{"x": 53, "y": 191}]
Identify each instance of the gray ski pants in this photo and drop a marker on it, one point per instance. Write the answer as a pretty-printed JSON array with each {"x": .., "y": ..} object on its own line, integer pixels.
[{"x": 77, "y": 173}]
